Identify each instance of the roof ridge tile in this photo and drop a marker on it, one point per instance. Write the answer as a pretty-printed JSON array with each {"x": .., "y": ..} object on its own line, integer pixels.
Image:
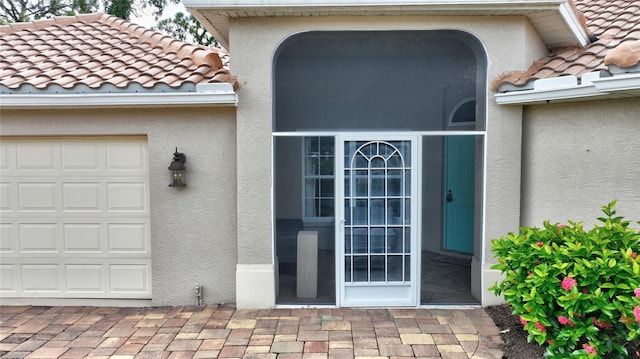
[
  {"x": 625, "y": 55},
  {"x": 42, "y": 23}
]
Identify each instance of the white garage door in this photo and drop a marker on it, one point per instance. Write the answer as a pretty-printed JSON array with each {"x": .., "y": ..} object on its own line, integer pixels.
[{"x": 74, "y": 218}]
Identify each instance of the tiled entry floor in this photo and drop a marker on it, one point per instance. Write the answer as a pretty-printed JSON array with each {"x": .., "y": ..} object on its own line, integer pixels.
[
  {"x": 445, "y": 279},
  {"x": 223, "y": 332}
]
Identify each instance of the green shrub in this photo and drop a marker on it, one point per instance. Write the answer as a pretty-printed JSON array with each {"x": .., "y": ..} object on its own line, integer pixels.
[{"x": 576, "y": 291}]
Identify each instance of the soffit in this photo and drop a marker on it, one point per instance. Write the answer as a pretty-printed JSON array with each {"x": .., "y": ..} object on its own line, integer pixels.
[{"x": 555, "y": 20}]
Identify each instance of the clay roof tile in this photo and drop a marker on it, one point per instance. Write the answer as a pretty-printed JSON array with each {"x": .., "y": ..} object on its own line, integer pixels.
[
  {"x": 20, "y": 66},
  {"x": 55, "y": 72},
  {"x": 625, "y": 55},
  {"x": 8, "y": 72},
  {"x": 98, "y": 49},
  {"x": 615, "y": 24},
  {"x": 65, "y": 81},
  {"x": 14, "y": 81},
  {"x": 146, "y": 80},
  {"x": 40, "y": 81}
]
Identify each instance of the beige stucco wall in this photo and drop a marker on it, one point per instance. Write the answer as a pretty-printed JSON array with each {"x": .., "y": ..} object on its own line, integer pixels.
[
  {"x": 193, "y": 234},
  {"x": 577, "y": 158},
  {"x": 510, "y": 43}
]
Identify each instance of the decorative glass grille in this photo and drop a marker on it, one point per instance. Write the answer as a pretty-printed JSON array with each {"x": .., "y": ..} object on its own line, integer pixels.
[{"x": 377, "y": 211}]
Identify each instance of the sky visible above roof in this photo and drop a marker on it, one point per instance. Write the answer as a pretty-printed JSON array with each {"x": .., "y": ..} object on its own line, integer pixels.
[{"x": 102, "y": 53}]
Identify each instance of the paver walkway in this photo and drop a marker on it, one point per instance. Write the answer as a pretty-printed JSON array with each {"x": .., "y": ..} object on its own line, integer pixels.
[{"x": 224, "y": 332}]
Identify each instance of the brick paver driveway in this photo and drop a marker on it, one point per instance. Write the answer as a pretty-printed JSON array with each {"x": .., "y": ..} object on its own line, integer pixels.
[{"x": 224, "y": 332}]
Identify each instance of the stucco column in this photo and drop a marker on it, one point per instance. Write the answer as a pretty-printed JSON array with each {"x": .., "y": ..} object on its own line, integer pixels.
[
  {"x": 503, "y": 162},
  {"x": 502, "y": 191},
  {"x": 255, "y": 272}
]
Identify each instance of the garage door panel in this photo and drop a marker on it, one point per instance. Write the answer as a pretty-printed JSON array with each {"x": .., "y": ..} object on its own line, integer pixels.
[
  {"x": 7, "y": 153},
  {"x": 126, "y": 197},
  {"x": 37, "y": 196},
  {"x": 81, "y": 196},
  {"x": 41, "y": 278},
  {"x": 6, "y": 242},
  {"x": 123, "y": 279},
  {"x": 85, "y": 278},
  {"x": 5, "y": 197},
  {"x": 126, "y": 156},
  {"x": 75, "y": 218},
  {"x": 83, "y": 155},
  {"x": 37, "y": 155},
  {"x": 8, "y": 278},
  {"x": 38, "y": 237},
  {"x": 129, "y": 278},
  {"x": 128, "y": 238},
  {"x": 83, "y": 238}
]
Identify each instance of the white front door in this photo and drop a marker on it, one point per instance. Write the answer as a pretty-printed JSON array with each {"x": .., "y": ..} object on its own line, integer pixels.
[{"x": 378, "y": 227}]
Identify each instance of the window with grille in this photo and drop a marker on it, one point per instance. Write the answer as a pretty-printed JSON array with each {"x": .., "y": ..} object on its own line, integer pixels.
[{"x": 319, "y": 179}]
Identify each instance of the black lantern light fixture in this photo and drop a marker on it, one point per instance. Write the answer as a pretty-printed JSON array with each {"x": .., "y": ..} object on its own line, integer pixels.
[{"x": 177, "y": 169}]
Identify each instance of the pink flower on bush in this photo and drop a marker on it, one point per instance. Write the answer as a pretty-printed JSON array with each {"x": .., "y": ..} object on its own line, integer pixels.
[
  {"x": 542, "y": 328},
  {"x": 561, "y": 226},
  {"x": 523, "y": 322},
  {"x": 634, "y": 255},
  {"x": 568, "y": 283},
  {"x": 589, "y": 349},
  {"x": 637, "y": 292},
  {"x": 636, "y": 313},
  {"x": 540, "y": 243},
  {"x": 564, "y": 320}
]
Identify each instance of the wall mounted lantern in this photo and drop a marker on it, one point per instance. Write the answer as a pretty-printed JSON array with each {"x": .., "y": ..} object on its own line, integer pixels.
[{"x": 177, "y": 169}]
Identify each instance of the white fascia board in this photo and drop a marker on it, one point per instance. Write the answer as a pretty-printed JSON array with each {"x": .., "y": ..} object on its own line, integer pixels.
[
  {"x": 573, "y": 22},
  {"x": 126, "y": 100},
  {"x": 529, "y": 97},
  {"x": 597, "y": 88},
  {"x": 622, "y": 82}
]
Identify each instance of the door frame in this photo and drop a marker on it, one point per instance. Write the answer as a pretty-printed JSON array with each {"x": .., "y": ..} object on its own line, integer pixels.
[{"x": 416, "y": 215}]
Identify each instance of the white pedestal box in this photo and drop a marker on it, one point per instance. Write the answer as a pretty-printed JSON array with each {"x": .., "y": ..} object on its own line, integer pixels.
[{"x": 307, "y": 272}]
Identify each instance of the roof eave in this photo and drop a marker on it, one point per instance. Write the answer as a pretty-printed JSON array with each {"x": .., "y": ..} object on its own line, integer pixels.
[
  {"x": 215, "y": 14},
  {"x": 571, "y": 18},
  {"x": 208, "y": 95},
  {"x": 619, "y": 86}
]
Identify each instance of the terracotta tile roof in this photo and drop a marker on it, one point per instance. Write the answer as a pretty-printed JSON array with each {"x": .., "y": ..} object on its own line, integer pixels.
[
  {"x": 614, "y": 26},
  {"x": 96, "y": 52}
]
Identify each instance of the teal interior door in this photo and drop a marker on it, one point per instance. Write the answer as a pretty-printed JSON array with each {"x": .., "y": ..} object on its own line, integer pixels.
[{"x": 459, "y": 189}]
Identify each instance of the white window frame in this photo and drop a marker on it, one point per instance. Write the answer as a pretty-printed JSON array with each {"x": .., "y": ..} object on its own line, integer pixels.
[{"x": 304, "y": 177}]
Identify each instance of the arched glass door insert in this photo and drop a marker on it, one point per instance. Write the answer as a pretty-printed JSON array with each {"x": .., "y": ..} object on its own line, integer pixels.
[{"x": 379, "y": 222}]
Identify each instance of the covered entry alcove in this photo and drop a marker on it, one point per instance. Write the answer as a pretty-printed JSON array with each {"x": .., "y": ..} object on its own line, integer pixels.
[{"x": 378, "y": 146}]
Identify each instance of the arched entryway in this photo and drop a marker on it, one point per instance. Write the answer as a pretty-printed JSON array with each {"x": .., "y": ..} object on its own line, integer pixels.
[{"x": 420, "y": 92}]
